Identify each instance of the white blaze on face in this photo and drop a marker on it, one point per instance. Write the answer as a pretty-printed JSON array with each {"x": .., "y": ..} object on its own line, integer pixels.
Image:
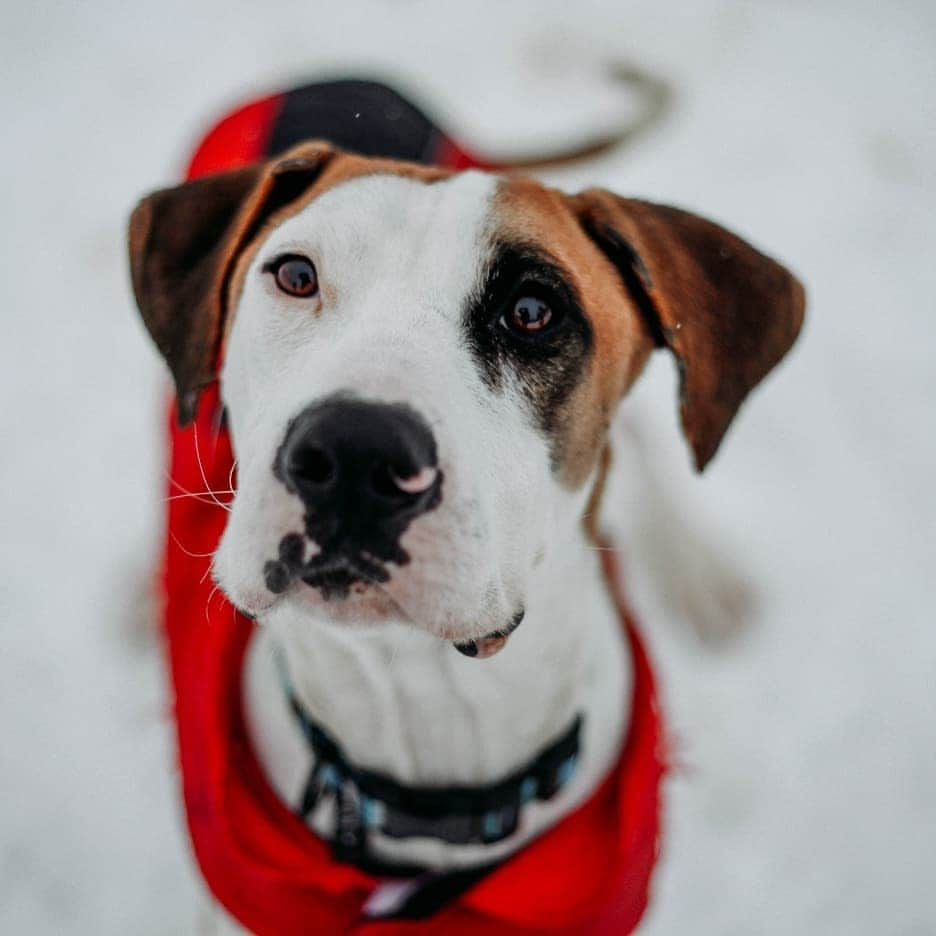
[{"x": 397, "y": 261}]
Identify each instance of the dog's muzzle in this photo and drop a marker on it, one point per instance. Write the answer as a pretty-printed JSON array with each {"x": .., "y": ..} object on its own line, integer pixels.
[{"x": 363, "y": 471}]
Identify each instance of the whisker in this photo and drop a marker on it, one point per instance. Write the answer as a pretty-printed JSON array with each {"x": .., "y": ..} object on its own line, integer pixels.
[
  {"x": 192, "y": 555},
  {"x": 196, "y": 497},
  {"x": 201, "y": 467},
  {"x": 185, "y": 490},
  {"x": 211, "y": 595},
  {"x": 196, "y": 494}
]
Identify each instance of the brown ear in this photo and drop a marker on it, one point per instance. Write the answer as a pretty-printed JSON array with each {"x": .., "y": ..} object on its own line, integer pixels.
[
  {"x": 183, "y": 245},
  {"x": 727, "y": 312}
]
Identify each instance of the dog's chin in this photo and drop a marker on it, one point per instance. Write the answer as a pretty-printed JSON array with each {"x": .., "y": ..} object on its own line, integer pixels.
[
  {"x": 364, "y": 605},
  {"x": 370, "y": 606}
]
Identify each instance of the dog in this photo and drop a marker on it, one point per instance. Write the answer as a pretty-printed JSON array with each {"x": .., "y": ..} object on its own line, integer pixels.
[{"x": 418, "y": 367}]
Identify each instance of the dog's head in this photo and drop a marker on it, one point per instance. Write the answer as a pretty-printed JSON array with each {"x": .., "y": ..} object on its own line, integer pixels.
[{"x": 420, "y": 368}]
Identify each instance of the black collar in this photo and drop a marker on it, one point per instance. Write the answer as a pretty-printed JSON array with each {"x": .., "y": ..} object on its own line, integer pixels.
[{"x": 367, "y": 801}]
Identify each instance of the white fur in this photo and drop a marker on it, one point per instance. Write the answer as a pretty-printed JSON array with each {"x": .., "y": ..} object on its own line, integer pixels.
[
  {"x": 397, "y": 261},
  {"x": 408, "y": 704}
]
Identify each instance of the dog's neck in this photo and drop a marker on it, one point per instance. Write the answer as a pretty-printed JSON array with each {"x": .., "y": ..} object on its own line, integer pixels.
[{"x": 410, "y": 706}]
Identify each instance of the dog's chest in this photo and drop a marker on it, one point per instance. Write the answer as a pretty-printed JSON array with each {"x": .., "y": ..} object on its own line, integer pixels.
[{"x": 411, "y": 707}]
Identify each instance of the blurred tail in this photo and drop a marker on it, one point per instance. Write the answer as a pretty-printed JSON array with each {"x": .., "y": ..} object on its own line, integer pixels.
[{"x": 655, "y": 97}]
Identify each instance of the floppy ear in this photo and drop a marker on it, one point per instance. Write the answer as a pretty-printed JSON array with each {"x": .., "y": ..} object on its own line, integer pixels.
[
  {"x": 183, "y": 245},
  {"x": 727, "y": 312}
]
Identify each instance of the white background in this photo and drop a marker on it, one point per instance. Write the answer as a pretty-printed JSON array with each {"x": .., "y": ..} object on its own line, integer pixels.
[{"x": 807, "y": 798}]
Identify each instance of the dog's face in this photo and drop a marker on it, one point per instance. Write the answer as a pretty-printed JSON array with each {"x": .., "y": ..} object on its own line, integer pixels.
[
  {"x": 419, "y": 369},
  {"x": 414, "y": 313}
]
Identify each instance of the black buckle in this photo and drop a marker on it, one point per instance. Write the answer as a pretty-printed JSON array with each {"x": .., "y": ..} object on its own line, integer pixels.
[{"x": 349, "y": 840}]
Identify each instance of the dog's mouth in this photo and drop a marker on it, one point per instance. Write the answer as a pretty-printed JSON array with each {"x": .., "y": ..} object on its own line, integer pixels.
[
  {"x": 335, "y": 574},
  {"x": 491, "y": 643}
]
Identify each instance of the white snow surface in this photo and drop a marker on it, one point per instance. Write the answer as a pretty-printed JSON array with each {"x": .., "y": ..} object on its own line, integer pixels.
[{"x": 806, "y": 800}]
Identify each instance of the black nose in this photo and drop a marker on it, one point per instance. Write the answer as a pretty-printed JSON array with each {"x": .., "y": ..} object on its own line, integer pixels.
[{"x": 363, "y": 471}]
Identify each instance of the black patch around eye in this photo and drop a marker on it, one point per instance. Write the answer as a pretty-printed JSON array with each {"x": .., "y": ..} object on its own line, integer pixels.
[{"x": 548, "y": 364}]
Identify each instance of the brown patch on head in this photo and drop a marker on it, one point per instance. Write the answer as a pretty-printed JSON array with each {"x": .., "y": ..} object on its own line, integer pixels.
[
  {"x": 590, "y": 522},
  {"x": 529, "y": 213},
  {"x": 649, "y": 275},
  {"x": 189, "y": 244}
]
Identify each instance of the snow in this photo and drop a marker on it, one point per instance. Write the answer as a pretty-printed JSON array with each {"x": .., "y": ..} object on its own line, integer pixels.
[{"x": 806, "y": 801}]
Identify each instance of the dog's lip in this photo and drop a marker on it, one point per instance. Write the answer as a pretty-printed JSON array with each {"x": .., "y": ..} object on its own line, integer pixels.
[{"x": 483, "y": 647}]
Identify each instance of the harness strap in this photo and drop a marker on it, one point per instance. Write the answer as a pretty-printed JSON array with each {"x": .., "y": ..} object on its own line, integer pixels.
[{"x": 367, "y": 801}]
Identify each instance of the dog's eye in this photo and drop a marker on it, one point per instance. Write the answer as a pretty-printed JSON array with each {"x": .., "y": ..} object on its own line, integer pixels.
[
  {"x": 294, "y": 275},
  {"x": 528, "y": 316}
]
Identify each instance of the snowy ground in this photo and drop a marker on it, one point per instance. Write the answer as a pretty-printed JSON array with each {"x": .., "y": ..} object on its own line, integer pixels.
[{"x": 808, "y": 802}]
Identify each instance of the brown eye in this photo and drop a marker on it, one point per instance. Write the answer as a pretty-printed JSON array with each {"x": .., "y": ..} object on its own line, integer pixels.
[
  {"x": 527, "y": 316},
  {"x": 295, "y": 276}
]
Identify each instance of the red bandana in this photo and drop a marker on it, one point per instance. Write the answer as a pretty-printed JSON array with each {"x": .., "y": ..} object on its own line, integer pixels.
[{"x": 589, "y": 874}]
